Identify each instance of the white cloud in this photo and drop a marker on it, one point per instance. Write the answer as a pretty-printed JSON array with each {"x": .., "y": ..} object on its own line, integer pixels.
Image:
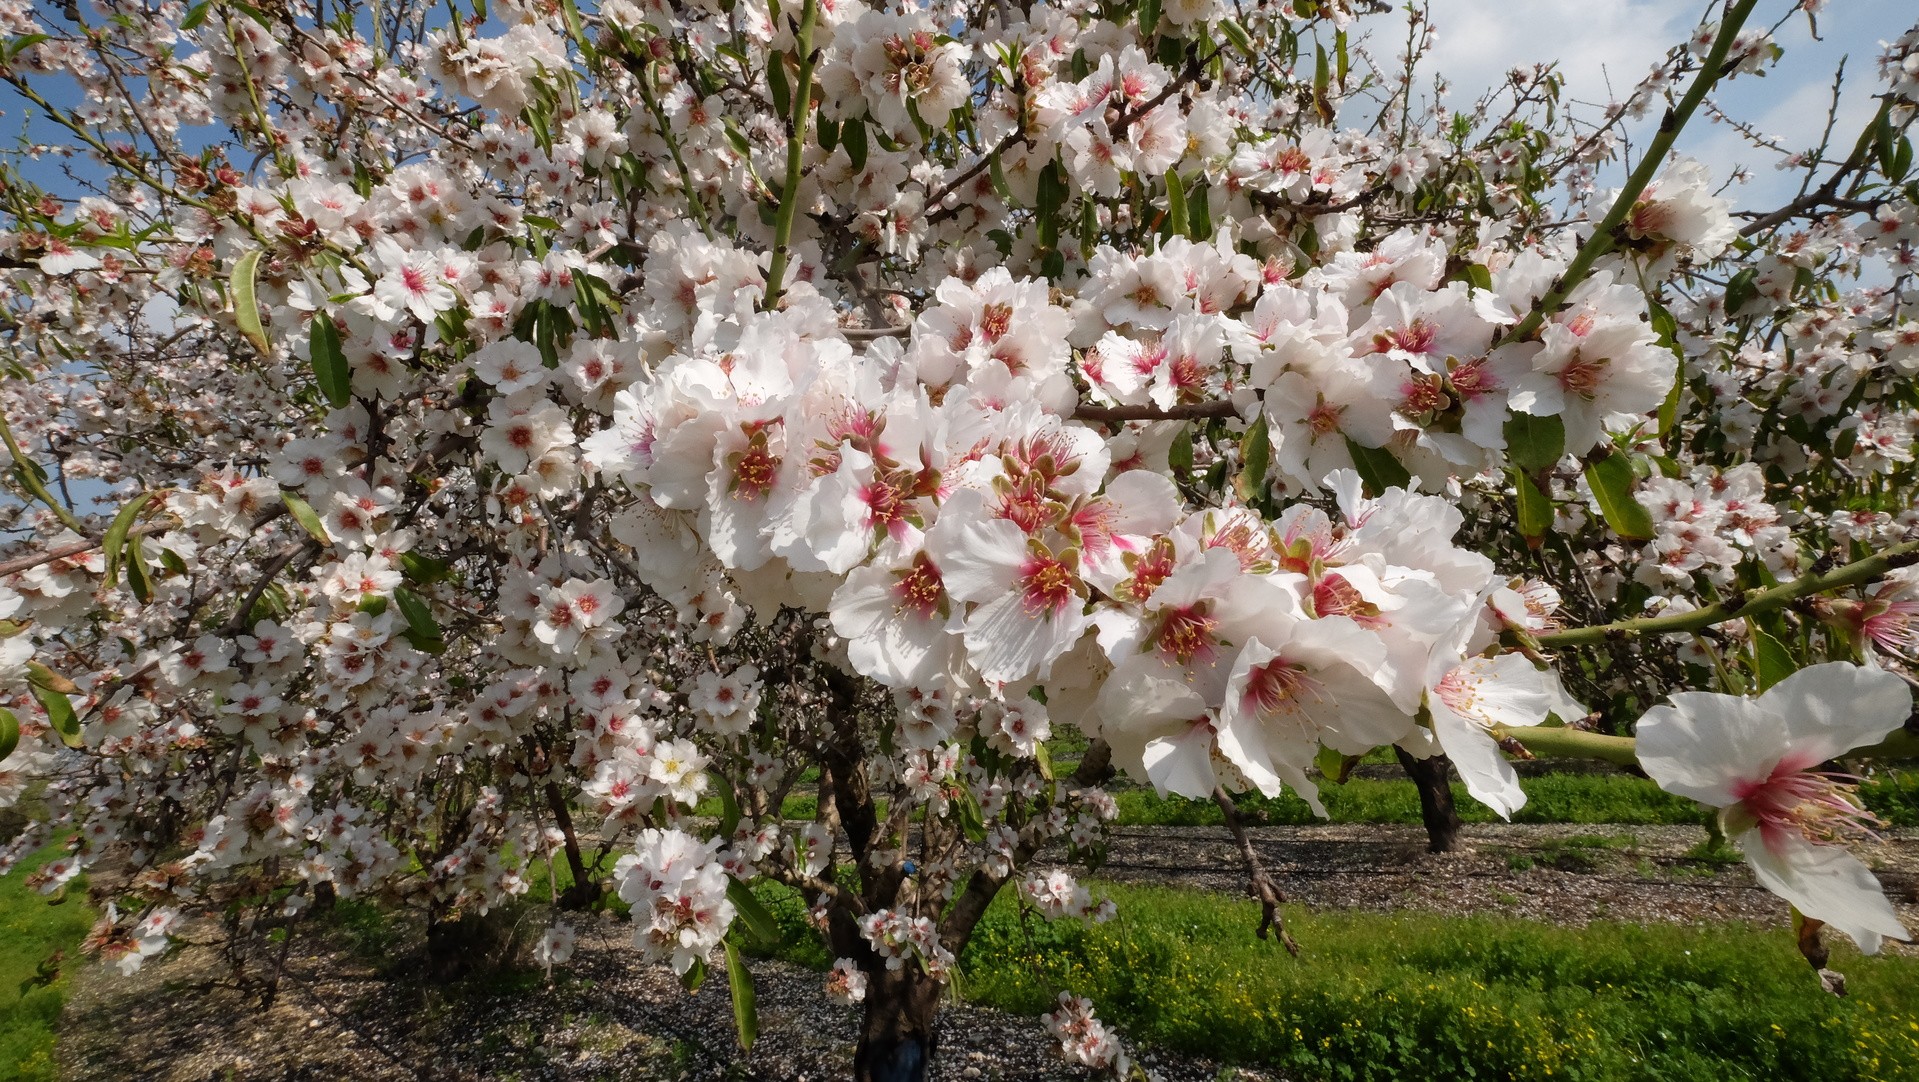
[
  {"x": 1605, "y": 46},
  {"x": 1593, "y": 40}
]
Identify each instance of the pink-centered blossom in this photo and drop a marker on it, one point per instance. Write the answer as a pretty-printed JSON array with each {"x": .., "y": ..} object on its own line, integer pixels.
[{"x": 1759, "y": 760}]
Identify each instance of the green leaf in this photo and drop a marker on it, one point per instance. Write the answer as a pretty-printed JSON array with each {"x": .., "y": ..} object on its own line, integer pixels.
[
  {"x": 1199, "y": 212},
  {"x": 423, "y": 570},
  {"x": 33, "y": 478},
  {"x": 1172, "y": 50},
  {"x": 1174, "y": 224},
  {"x": 246, "y": 305},
  {"x": 1885, "y": 145},
  {"x": 738, "y": 139},
  {"x": 1334, "y": 766},
  {"x": 116, "y": 539},
  {"x": 1771, "y": 661},
  {"x": 694, "y": 976},
  {"x": 1669, "y": 409},
  {"x": 853, "y": 138},
  {"x": 329, "y": 362},
  {"x": 1378, "y": 467},
  {"x": 1535, "y": 443},
  {"x": 1844, "y": 443},
  {"x": 1044, "y": 759},
  {"x": 59, "y": 714},
  {"x": 304, "y": 515},
  {"x": 966, "y": 809},
  {"x": 1535, "y": 508},
  {"x": 1050, "y": 197},
  {"x": 759, "y": 923},
  {"x": 196, "y": 15},
  {"x": 777, "y": 83},
  {"x": 1322, "y": 77},
  {"x": 1236, "y": 34},
  {"x": 1149, "y": 13},
  {"x": 1255, "y": 455},
  {"x": 139, "y": 579},
  {"x": 1742, "y": 288},
  {"x": 1179, "y": 457},
  {"x": 1215, "y": 477},
  {"x": 829, "y": 132},
  {"x": 9, "y": 733},
  {"x": 47, "y": 678},
  {"x": 422, "y": 629},
  {"x": 576, "y": 28},
  {"x": 746, "y": 1015},
  {"x": 1611, "y": 479}
]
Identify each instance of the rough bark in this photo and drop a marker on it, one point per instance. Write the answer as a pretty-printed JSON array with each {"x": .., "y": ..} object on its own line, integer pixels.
[
  {"x": 585, "y": 890},
  {"x": 897, "y": 1040},
  {"x": 1431, "y": 777},
  {"x": 459, "y": 947}
]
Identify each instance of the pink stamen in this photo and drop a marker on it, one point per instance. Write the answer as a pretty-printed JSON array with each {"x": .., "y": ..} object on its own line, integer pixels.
[{"x": 1793, "y": 802}]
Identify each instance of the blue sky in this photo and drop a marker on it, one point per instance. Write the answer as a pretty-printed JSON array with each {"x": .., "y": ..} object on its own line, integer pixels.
[{"x": 1595, "y": 39}]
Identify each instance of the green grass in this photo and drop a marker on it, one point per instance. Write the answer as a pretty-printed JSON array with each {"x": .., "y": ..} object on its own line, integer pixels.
[
  {"x": 30, "y": 931},
  {"x": 1386, "y": 997},
  {"x": 1396, "y": 996},
  {"x": 1893, "y": 795}
]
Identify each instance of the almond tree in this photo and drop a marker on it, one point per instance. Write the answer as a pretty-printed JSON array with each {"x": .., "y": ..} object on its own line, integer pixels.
[{"x": 548, "y": 433}]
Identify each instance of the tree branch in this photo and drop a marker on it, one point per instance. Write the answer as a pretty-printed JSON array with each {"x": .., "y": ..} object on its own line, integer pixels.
[
  {"x": 1185, "y": 411},
  {"x": 1560, "y": 742},
  {"x": 1601, "y": 241},
  {"x": 795, "y": 147},
  {"x": 1741, "y": 605},
  {"x": 1262, "y": 886}
]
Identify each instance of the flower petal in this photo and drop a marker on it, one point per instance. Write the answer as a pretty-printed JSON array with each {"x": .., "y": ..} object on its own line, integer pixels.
[
  {"x": 1182, "y": 764},
  {"x": 1825, "y": 883},
  {"x": 1150, "y": 722},
  {"x": 1488, "y": 776},
  {"x": 1008, "y": 642},
  {"x": 1832, "y": 708},
  {"x": 1704, "y": 744}
]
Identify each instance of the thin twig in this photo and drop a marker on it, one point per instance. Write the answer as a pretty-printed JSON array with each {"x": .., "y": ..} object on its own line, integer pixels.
[{"x": 1261, "y": 885}]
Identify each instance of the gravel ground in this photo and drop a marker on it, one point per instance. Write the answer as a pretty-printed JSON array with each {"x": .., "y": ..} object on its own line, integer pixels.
[
  {"x": 605, "y": 1017},
  {"x": 608, "y": 1017},
  {"x": 1562, "y": 873}
]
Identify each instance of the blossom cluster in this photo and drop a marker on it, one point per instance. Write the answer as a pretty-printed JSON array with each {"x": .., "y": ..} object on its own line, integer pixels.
[
  {"x": 678, "y": 894},
  {"x": 1083, "y": 1038}
]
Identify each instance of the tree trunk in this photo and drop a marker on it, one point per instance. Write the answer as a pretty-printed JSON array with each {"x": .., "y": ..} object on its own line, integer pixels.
[
  {"x": 459, "y": 947},
  {"x": 896, "y": 1037},
  {"x": 1431, "y": 777},
  {"x": 584, "y": 890}
]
